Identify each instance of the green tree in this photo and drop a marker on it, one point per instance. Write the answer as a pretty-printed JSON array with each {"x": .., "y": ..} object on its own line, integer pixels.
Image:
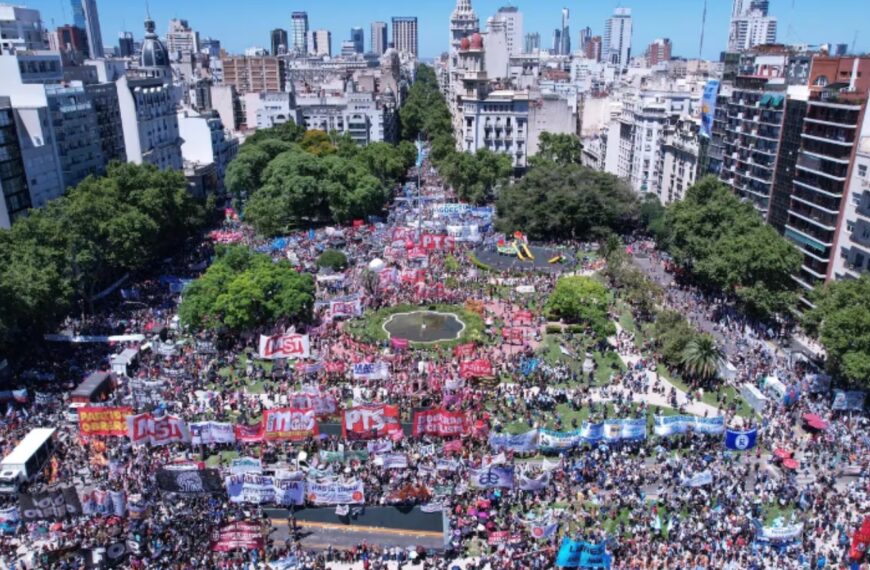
[
  {"x": 702, "y": 357},
  {"x": 671, "y": 334},
  {"x": 247, "y": 292},
  {"x": 581, "y": 300},
  {"x": 727, "y": 246},
  {"x": 288, "y": 132},
  {"x": 333, "y": 259},
  {"x": 841, "y": 322},
  {"x": 557, "y": 148},
  {"x": 318, "y": 143},
  {"x": 567, "y": 202},
  {"x": 475, "y": 177}
]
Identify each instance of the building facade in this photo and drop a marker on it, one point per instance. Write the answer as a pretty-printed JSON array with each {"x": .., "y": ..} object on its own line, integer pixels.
[
  {"x": 279, "y": 41},
  {"x": 92, "y": 27},
  {"x": 253, "y": 74},
  {"x": 616, "y": 45},
  {"x": 20, "y": 29},
  {"x": 181, "y": 40},
  {"x": 14, "y": 192},
  {"x": 405, "y": 37},
  {"x": 379, "y": 38}
]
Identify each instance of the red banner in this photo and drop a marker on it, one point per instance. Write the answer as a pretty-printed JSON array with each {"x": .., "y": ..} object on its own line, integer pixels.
[
  {"x": 417, "y": 253},
  {"x": 441, "y": 423},
  {"x": 860, "y": 540},
  {"x": 433, "y": 242},
  {"x": 335, "y": 367},
  {"x": 103, "y": 421},
  {"x": 454, "y": 446},
  {"x": 476, "y": 369},
  {"x": 399, "y": 343},
  {"x": 513, "y": 334},
  {"x": 463, "y": 350},
  {"x": 145, "y": 428},
  {"x": 524, "y": 317},
  {"x": 249, "y": 434},
  {"x": 237, "y": 536},
  {"x": 289, "y": 424},
  {"x": 370, "y": 422}
]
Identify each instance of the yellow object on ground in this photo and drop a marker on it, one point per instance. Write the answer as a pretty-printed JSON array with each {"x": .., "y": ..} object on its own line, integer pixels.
[
  {"x": 556, "y": 259},
  {"x": 528, "y": 253}
]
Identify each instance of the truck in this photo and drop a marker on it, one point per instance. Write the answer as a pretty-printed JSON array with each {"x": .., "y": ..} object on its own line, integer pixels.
[
  {"x": 93, "y": 390},
  {"x": 27, "y": 459}
]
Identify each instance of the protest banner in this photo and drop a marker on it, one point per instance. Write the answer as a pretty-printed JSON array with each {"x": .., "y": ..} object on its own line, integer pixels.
[
  {"x": 335, "y": 493},
  {"x": 399, "y": 343},
  {"x": 163, "y": 430},
  {"x": 289, "y": 424},
  {"x": 519, "y": 443},
  {"x": 741, "y": 440},
  {"x": 441, "y": 423},
  {"x": 779, "y": 534},
  {"x": 555, "y": 442},
  {"x": 51, "y": 504},
  {"x": 206, "y": 433},
  {"x": 323, "y": 404},
  {"x": 289, "y": 346},
  {"x": 501, "y": 476},
  {"x": 238, "y": 536},
  {"x": 195, "y": 481},
  {"x": 848, "y": 400},
  {"x": 463, "y": 350},
  {"x": 513, "y": 334},
  {"x": 249, "y": 434},
  {"x": 665, "y": 426},
  {"x": 370, "y": 422},
  {"x": 346, "y": 308},
  {"x": 94, "y": 421},
  {"x": 241, "y": 465},
  {"x": 371, "y": 371},
  {"x": 475, "y": 369}
]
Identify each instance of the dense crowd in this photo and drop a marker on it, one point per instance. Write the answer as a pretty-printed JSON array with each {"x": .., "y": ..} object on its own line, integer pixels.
[{"x": 680, "y": 500}]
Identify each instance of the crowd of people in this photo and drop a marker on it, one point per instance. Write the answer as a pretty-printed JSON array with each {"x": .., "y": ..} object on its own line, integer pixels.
[{"x": 534, "y": 476}]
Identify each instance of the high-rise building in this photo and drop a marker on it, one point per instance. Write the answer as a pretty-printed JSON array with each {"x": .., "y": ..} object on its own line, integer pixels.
[
  {"x": 532, "y": 43},
  {"x": 20, "y": 29},
  {"x": 279, "y": 41},
  {"x": 70, "y": 41},
  {"x": 181, "y": 40},
  {"x": 298, "y": 32},
  {"x": 14, "y": 193},
  {"x": 92, "y": 27},
  {"x": 825, "y": 178},
  {"x": 357, "y": 36},
  {"x": 751, "y": 25},
  {"x": 405, "y": 38},
  {"x": 254, "y": 74},
  {"x": 210, "y": 47},
  {"x": 565, "y": 34},
  {"x": 379, "y": 37},
  {"x": 126, "y": 44},
  {"x": 319, "y": 43},
  {"x": 585, "y": 36},
  {"x": 513, "y": 20},
  {"x": 616, "y": 45},
  {"x": 593, "y": 48},
  {"x": 658, "y": 51},
  {"x": 463, "y": 23},
  {"x": 78, "y": 12}
]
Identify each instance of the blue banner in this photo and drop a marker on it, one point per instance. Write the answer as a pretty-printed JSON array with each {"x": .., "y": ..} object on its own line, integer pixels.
[
  {"x": 708, "y": 107},
  {"x": 580, "y": 554},
  {"x": 741, "y": 440},
  {"x": 520, "y": 443}
]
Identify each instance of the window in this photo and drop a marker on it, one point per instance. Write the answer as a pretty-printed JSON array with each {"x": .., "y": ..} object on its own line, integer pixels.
[{"x": 862, "y": 170}]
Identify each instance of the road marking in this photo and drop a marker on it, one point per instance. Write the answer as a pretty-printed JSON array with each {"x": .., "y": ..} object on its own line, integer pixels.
[{"x": 357, "y": 528}]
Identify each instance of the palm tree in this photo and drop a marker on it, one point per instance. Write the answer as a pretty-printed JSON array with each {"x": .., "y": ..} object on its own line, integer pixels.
[{"x": 702, "y": 357}]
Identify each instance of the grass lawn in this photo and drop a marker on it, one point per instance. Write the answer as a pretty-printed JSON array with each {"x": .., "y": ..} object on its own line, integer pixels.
[
  {"x": 774, "y": 511},
  {"x": 226, "y": 456},
  {"x": 551, "y": 354}
]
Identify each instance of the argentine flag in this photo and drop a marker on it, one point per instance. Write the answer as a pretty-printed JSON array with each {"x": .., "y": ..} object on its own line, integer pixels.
[{"x": 741, "y": 440}]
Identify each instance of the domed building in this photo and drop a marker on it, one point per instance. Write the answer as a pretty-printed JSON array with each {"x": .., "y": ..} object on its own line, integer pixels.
[{"x": 148, "y": 107}]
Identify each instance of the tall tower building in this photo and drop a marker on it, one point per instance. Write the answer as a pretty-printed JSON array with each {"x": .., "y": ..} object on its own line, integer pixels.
[
  {"x": 616, "y": 46},
  {"x": 279, "y": 41},
  {"x": 532, "y": 43},
  {"x": 92, "y": 26},
  {"x": 319, "y": 43},
  {"x": 78, "y": 13},
  {"x": 513, "y": 20},
  {"x": 565, "y": 33},
  {"x": 357, "y": 36},
  {"x": 405, "y": 38},
  {"x": 463, "y": 22},
  {"x": 298, "y": 32},
  {"x": 751, "y": 25},
  {"x": 126, "y": 46},
  {"x": 379, "y": 37},
  {"x": 181, "y": 39}
]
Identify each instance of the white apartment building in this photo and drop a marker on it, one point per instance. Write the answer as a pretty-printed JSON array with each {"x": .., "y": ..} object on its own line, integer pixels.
[
  {"x": 20, "y": 29},
  {"x": 679, "y": 160},
  {"x": 206, "y": 143},
  {"x": 616, "y": 44},
  {"x": 319, "y": 43},
  {"x": 750, "y": 25},
  {"x": 181, "y": 40},
  {"x": 150, "y": 123},
  {"x": 852, "y": 245},
  {"x": 365, "y": 116}
]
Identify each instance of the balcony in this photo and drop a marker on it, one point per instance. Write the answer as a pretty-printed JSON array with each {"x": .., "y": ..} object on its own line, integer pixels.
[
  {"x": 820, "y": 167},
  {"x": 821, "y": 183},
  {"x": 835, "y": 135},
  {"x": 810, "y": 214},
  {"x": 821, "y": 239}
]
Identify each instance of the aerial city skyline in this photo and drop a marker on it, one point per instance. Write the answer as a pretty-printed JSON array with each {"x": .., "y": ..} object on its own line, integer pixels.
[{"x": 465, "y": 285}]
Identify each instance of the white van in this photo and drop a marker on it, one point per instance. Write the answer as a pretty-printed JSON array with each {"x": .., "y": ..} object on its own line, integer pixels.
[{"x": 27, "y": 459}]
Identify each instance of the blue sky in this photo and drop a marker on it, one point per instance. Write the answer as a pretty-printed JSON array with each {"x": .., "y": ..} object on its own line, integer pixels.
[{"x": 244, "y": 23}]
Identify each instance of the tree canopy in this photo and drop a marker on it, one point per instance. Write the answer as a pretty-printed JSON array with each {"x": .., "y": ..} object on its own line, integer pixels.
[
  {"x": 558, "y": 148},
  {"x": 333, "y": 259},
  {"x": 726, "y": 245},
  {"x": 80, "y": 243},
  {"x": 244, "y": 291},
  {"x": 475, "y": 177},
  {"x": 291, "y": 178},
  {"x": 581, "y": 300},
  {"x": 841, "y": 321},
  {"x": 567, "y": 201}
]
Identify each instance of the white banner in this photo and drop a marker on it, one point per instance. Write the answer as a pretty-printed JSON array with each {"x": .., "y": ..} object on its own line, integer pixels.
[
  {"x": 699, "y": 479},
  {"x": 290, "y": 346},
  {"x": 205, "y": 433},
  {"x": 351, "y": 308},
  {"x": 371, "y": 371},
  {"x": 241, "y": 465},
  {"x": 145, "y": 428},
  {"x": 351, "y": 493},
  {"x": 282, "y": 489},
  {"x": 672, "y": 425}
]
